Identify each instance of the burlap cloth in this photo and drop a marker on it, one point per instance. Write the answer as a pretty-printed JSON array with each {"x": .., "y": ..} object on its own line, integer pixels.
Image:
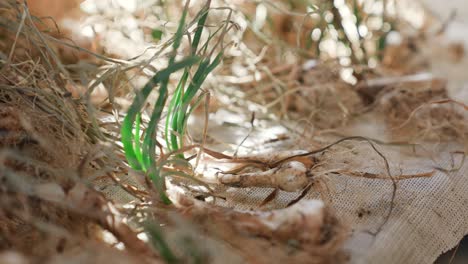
[
  {"x": 428, "y": 219},
  {"x": 429, "y": 214}
]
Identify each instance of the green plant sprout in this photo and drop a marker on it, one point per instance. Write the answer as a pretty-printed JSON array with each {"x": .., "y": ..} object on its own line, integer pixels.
[
  {"x": 185, "y": 92},
  {"x": 141, "y": 154}
]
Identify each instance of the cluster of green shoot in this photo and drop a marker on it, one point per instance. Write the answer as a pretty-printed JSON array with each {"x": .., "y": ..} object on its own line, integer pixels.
[{"x": 140, "y": 146}]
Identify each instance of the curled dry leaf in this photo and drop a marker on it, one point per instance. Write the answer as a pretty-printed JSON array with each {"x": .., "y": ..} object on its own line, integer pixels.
[{"x": 290, "y": 176}]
